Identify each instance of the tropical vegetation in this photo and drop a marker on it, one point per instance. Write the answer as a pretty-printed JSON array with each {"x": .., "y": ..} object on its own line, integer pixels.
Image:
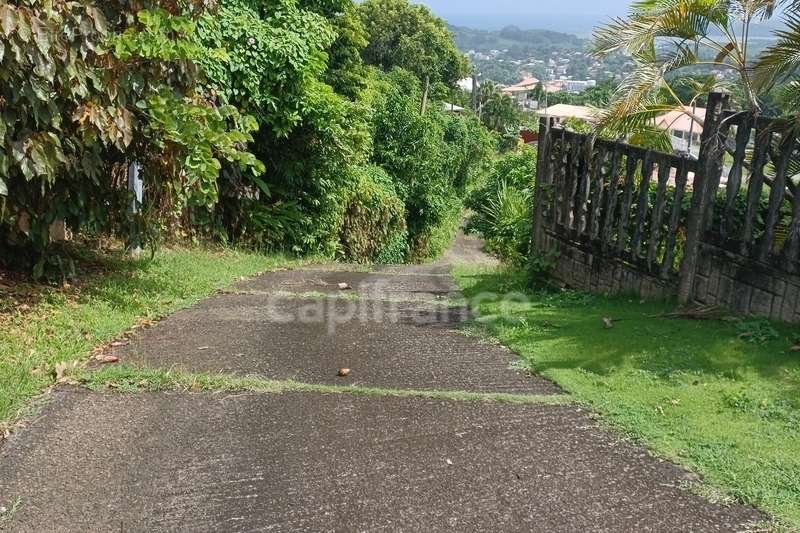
[
  {"x": 306, "y": 126},
  {"x": 685, "y": 48}
]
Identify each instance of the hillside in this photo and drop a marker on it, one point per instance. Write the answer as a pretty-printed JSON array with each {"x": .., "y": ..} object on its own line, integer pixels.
[
  {"x": 508, "y": 55},
  {"x": 520, "y": 43}
]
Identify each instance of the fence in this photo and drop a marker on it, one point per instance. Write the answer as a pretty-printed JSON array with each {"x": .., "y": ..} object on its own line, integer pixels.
[{"x": 623, "y": 219}]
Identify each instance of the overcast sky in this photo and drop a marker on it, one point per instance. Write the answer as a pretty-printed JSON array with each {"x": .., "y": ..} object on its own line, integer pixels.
[{"x": 572, "y": 16}]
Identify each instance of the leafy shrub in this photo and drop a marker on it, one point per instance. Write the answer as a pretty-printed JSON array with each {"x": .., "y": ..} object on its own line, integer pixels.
[
  {"x": 85, "y": 89},
  {"x": 310, "y": 137},
  {"x": 395, "y": 251},
  {"x": 431, "y": 158},
  {"x": 374, "y": 219},
  {"x": 409, "y": 36},
  {"x": 502, "y": 206}
]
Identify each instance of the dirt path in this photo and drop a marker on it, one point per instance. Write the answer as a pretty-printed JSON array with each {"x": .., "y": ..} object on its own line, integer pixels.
[{"x": 432, "y": 430}]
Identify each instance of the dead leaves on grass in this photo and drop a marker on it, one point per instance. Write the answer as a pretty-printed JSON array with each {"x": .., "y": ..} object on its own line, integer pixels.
[{"x": 62, "y": 371}]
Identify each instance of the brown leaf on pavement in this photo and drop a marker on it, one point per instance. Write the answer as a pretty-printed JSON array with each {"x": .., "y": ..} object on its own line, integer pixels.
[{"x": 343, "y": 372}]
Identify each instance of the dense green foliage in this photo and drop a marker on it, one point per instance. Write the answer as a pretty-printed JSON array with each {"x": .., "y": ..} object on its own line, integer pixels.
[
  {"x": 499, "y": 112},
  {"x": 374, "y": 220},
  {"x": 274, "y": 123},
  {"x": 85, "y": 89},
  {"x": 431, "y": 158},
  {"x": 411, "y": 37},
  {"x": 502, "y": 206}
]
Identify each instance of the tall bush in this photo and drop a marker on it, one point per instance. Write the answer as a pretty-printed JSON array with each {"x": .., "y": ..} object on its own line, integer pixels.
[
  {"x": 88, "y": 87},
  {"x": 502, "y": 206},
  {"x": 374, "y": 220}
]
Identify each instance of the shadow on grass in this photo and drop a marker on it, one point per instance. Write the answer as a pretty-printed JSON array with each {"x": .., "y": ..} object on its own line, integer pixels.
[{"x": 565, "y": 330}]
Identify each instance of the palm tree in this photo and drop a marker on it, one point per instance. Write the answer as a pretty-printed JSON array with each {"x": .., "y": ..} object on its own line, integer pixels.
[
  {"x": 498, "y": 111},
  {"x": 671, "y": 38},
  {"x": 778, "y": 68}
]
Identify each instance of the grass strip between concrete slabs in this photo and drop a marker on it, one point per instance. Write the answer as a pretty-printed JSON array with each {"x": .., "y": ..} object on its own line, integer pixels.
[
  {"x": 64, "y": 324},
  {"x": 721, "y": 397},
  {"x": 132, "y": 379}
]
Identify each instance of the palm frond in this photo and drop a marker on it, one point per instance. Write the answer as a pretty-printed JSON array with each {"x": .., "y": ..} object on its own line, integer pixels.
[
  {"x": 651, "y": 20},
  {"x": 781, "y": 61}
]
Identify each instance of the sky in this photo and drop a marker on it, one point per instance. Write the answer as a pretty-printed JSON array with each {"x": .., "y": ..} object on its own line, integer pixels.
[{"x": 570, "y": 16}]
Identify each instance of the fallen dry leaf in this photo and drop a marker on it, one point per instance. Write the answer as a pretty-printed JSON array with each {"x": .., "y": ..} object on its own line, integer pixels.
[
  {"x": 344, "y": 286},
  {"x": 118, "y": 343},
  {"x": 343, "y": 372},
  {"x": 608, "y": 323},
  {"x": 104, "y": 358},
  {"x": 62, "y": 370}
]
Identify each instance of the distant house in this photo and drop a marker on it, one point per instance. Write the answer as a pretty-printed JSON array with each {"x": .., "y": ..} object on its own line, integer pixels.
[
  {"x": 521, "y": 93},
  {"x": 561, "y": 112},
  {"x": 452, "y": 108},
  {"x": 578, "y": 86},
  {"x": 682, "y": 127}
]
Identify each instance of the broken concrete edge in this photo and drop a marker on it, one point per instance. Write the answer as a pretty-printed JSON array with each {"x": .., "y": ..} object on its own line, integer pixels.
[
  {"x": 24, "y": 416},
  {"x": 306, "y": 295},
  {"x": 133, "y": 379},
  {"x": 450, "y": 301}
]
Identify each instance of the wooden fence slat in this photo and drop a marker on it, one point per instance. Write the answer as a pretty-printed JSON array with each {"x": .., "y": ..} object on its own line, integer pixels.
[
  {"x": 704, "y": 188},
  {"x": 584, "y": 184},
  {"x": 611, "y": 198},
  {"x": 791, "y": 250},
  {"x": 627, "y": 200},
  {"x": 541, "y": 184},
  {"x": 728, "y": 225},
  {"x": 642, "y": 204},
  {"x": 755, "y": 184},
  {"x": 570, "y": 181},
  {"x": 681, "y": 177},
  {"x": 558, "y": 162},
  {"x": 597, "y": 182},
  {"x": 776, "y": 194},
  {"x": 664, "y": 170}
]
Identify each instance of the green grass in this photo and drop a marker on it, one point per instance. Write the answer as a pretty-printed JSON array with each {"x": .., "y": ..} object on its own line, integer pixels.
[
  {"x": 66, "y": 324},
  {"x": 721, "y": 397},
  {"x": 129, "y": 378}
]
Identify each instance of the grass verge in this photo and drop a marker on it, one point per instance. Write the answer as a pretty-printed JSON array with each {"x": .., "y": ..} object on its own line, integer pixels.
[
  {"x": 67, "y": 323},
  {"x": 129, "y": 378},
  {"x": 721, "y": 397}
]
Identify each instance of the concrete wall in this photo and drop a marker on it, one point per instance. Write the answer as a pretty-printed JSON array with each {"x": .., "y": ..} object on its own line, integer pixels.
[
  {"x": 579, "y": 268},
  {"x": 746, "y": 286},
  {"x": 723, "y": 278}
]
